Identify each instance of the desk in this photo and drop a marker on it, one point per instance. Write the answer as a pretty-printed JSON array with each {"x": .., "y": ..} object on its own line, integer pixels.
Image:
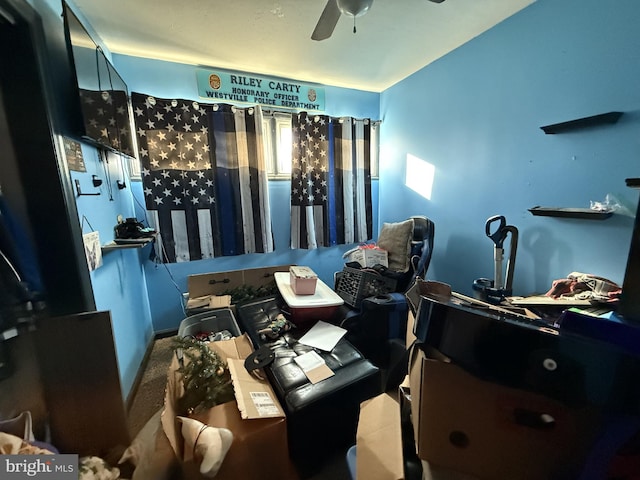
[
  {"x": 545, "y": 301},
  {"x": 551, "y": 309}
]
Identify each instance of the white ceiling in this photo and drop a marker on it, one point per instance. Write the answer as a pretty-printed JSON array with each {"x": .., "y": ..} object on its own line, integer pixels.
[{"x": 273, "y": 37}]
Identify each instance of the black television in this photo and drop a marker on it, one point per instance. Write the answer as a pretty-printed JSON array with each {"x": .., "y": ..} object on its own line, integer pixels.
[
  {"x": 103, "y": 94},
  {"x": 630, "y": 301}
]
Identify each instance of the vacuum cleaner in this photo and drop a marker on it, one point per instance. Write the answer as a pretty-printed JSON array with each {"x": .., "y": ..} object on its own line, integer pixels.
[{"x": 494, "y": 291}]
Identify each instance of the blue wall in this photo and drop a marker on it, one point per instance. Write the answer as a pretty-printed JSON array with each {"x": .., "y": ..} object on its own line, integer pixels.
[
  {"x": 142, "y": 297},
  {"x": 475, "y": 115},
  {"x": 167, "y": 282},
  {"x": 119, "y": 286}
]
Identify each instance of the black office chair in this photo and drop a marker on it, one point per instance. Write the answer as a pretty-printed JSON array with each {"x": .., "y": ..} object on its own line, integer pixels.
[
  {"x": 377, "y": 325},
  {"x": 421, "y": 251}
]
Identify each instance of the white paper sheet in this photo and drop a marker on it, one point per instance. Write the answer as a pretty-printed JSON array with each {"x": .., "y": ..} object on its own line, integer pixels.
[
  {"x": 313, "y": 366},
  {"x": 309, "y": 361},
  {"x": 323, "y": 336}
]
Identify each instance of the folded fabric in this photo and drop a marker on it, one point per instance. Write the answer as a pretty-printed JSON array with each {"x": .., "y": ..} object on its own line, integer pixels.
[
  {"x": 12, "y": 445},
  {"x": 205, "y": 444},
  {"x": 585, "y": 286}
]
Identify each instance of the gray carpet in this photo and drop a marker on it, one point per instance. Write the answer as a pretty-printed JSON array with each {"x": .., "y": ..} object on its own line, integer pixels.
[{"x": 149, "y": 396}]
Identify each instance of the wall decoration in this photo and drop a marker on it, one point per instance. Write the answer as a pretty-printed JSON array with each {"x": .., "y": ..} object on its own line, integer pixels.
[
  {"x": 204, "y": 179},
  {"x": 92, "y": 250},
  {"x": 73, "y": 153},
  {"x": 330, "y": 181},
  {"x": 247, "y": 88}
]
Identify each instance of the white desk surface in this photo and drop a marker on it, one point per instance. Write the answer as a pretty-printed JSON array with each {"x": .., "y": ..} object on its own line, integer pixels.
[{"x": 324, "y": 296}]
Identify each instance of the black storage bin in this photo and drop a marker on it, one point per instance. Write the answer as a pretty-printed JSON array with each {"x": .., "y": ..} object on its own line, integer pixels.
[
  {"x": 208, "y": 322},
  {"x": 354, "y": 285}
]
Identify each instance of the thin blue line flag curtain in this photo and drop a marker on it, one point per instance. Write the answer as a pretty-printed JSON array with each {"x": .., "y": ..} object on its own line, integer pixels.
[
  {"x": 330, "y": 181},
  {"x": 204, "y": 178}
]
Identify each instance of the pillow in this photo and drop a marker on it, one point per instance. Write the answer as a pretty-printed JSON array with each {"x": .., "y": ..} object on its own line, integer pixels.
[{"x": 395, "y": 238}]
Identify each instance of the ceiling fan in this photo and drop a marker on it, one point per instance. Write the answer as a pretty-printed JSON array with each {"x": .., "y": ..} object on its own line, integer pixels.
[{"x": 332, "y": 11}]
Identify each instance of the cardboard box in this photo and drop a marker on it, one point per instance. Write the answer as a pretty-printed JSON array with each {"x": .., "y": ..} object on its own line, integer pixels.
[
  {"x": 492, "y": 431},
  {"x": 260, "y": 444},
  {"x": 381, "y": 452},
  {"x": 207, "y": 290},
  {"x": 378, "y": 440},
  {"x": 367, "y": 257},
  {"x": 414, "y": 467},
  {"x": 303, "y": 280},
  {"x": 411, "y": 321}
]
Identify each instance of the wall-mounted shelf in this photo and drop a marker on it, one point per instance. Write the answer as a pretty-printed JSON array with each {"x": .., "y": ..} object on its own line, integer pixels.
[
  {"x": 582, "y": 213},
  {"x": 633, "y": 182},
  {"x": 124, "y": 244},
  {"x": 604, "y": 118}
]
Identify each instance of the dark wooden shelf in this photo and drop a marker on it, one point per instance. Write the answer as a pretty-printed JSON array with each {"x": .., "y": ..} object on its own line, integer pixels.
[
  {"x": 633, "y": 182},
  {"x": 111, "y": 246},
  {"x": 582, "y": 213},
  {"x": 604, "y": 118}
]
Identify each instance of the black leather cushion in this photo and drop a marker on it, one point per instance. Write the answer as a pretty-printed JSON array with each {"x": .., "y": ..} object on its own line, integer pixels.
[
  {"x": 290, "y": 382},
  {"x": 323, "y": 416},
  {"x": 293, "y": 384}
]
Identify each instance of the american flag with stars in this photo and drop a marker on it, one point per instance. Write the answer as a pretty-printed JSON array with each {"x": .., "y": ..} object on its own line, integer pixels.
[
  {"x": 330, "y": 181},
  {"x": 204, "y": 177},
  {"x": 177, "y": 175},
  {"x": 309, "y": 180},
  {"x": 106, "y": 118}
]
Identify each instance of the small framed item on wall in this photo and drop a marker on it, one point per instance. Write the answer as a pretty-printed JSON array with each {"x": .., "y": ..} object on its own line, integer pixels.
[
  {"x": 73, "y": 153},
  {"x": 92, "y": 250}
]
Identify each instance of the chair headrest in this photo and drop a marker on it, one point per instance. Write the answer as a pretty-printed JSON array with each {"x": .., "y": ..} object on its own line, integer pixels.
[{"x": 422, "y": 228}]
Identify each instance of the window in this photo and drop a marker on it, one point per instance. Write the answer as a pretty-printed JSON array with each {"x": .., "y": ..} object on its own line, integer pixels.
[
  {"x": 277, "y": 144},
  {"x": 375, "y": 148}
]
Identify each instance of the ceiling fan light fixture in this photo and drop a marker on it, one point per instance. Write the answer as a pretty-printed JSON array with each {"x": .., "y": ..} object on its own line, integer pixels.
[
  {"x": 354, "y": 8},
  {"x": 332, "y": 12}
]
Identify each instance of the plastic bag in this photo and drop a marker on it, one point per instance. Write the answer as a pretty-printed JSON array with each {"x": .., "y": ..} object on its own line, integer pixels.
[{"x": 611, "y": 204}]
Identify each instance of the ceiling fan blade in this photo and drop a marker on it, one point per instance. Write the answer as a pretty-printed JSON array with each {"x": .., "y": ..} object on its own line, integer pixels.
[{"x": 327, "y": 21}]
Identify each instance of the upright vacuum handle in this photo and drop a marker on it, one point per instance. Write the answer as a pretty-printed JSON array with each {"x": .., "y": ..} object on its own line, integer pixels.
[
  {"x": 498, "y": 234},
  {"x": 511, "y": 262}
]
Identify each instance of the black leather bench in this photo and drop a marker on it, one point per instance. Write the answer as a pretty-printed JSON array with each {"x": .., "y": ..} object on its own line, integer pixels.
[{"x": 321, "y": 418}]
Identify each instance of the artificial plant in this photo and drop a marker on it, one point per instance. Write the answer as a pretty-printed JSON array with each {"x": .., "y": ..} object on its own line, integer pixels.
[{"x": 205, "y": 376}]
